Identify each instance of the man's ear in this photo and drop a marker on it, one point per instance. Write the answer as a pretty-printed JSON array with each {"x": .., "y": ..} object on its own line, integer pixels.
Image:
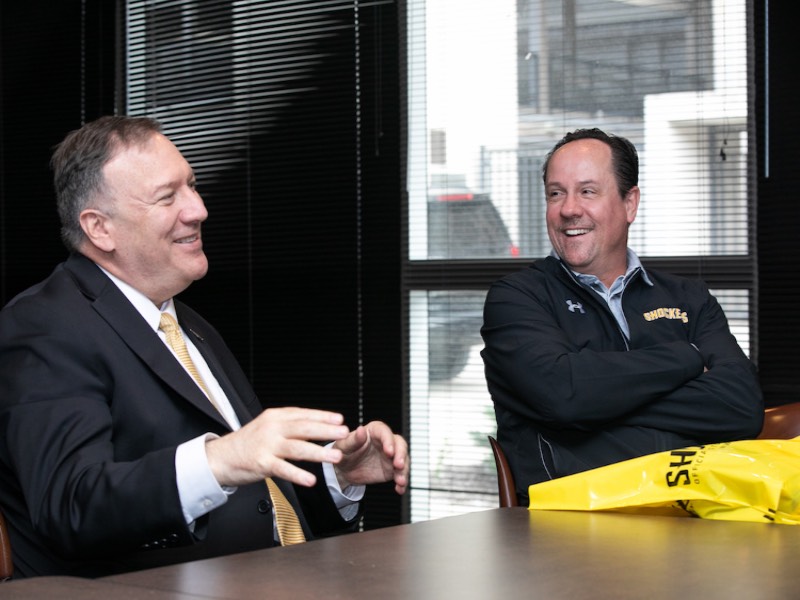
[
  {"x": 98, "y": 229},
  {"x": 632, "y": 203}
]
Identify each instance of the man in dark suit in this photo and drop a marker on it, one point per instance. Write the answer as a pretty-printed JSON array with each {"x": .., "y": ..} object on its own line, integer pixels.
[{"x": 117, "y": 456}]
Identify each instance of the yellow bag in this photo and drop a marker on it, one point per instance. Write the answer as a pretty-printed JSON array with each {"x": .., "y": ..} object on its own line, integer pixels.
[{"x": 748, "y": 480}]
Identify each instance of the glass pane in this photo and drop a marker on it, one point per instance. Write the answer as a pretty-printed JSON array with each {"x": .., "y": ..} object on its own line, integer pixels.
[
  {"x": 451, "y": 412},
  {"x": 494, "y": 85}
]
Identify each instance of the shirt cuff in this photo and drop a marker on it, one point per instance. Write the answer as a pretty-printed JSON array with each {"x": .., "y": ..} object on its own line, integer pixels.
[
  {"x": 198, "y": 489},
  {"x": 347, "y": 499}
]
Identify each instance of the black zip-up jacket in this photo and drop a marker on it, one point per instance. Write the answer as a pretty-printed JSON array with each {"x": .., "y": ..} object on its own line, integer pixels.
[{"x": 571, "y": 393}]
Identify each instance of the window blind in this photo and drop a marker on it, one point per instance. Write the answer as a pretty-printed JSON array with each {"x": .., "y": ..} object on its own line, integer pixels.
[{"x": 287, "y": 112}]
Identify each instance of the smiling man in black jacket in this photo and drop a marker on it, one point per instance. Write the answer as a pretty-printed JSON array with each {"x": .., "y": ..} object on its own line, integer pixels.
[{"x": 591, "y": 359}]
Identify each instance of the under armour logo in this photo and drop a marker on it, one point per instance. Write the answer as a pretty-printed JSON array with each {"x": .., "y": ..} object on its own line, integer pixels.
[{"x": 573, "y": 306}]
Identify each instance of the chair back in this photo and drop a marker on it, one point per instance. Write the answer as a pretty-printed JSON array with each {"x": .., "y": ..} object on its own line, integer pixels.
[
  {"x": 506, "y": 489},
  {"x": 781, "y": 422},
  {"x": 6, "y": 563}
]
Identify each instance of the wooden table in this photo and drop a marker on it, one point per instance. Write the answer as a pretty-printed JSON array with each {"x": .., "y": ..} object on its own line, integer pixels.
[
  {"x": 41, "y": 588},
  {"x": 511, "y": 553},
  {"x": 500, "y": 553}
]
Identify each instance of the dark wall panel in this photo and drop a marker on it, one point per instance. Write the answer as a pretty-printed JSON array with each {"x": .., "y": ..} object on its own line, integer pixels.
[
  {"x": 53, "y": 72},
  {"x": 778, "y": 139}
]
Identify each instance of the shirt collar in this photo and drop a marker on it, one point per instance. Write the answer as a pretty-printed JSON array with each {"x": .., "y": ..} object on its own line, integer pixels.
[{"x": 144, "y": 306}]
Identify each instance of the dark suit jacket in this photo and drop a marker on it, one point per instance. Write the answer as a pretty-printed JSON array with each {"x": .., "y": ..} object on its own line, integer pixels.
[{"x": 92, "y": 408}]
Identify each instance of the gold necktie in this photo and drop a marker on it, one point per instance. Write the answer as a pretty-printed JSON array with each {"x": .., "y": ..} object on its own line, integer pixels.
[
  {"x": 172, "y": 332},
  {"x": 288, "y": 525}
]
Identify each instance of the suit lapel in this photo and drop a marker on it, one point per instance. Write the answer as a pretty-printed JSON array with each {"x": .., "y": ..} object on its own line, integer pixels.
[
  {"x": 112, "y": 305},
  {"x": 199, "y": 338}
]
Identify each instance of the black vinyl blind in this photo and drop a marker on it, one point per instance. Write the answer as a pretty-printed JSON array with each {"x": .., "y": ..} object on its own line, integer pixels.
[{"x": 287, "y": 110}]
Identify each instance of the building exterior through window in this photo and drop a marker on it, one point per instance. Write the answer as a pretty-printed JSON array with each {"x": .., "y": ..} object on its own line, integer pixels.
[{"x": 492, "y": 86}]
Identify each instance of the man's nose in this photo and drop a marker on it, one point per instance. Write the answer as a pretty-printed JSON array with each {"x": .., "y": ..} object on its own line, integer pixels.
[
  {"x": 194, "y": 208},
  {"x": 571, "y": 205}
]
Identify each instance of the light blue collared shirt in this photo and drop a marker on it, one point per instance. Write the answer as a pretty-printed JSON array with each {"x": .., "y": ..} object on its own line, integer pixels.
[{"x": 613, "y": 295}]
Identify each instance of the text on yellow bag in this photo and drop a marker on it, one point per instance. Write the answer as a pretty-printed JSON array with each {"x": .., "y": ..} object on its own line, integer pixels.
[{"x": 748, "y": 480}]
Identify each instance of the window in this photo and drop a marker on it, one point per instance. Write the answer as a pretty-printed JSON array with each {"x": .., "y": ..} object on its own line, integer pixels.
[
  {"x": 287, "y": 112},
  {"x": 491, "y": 88}
]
